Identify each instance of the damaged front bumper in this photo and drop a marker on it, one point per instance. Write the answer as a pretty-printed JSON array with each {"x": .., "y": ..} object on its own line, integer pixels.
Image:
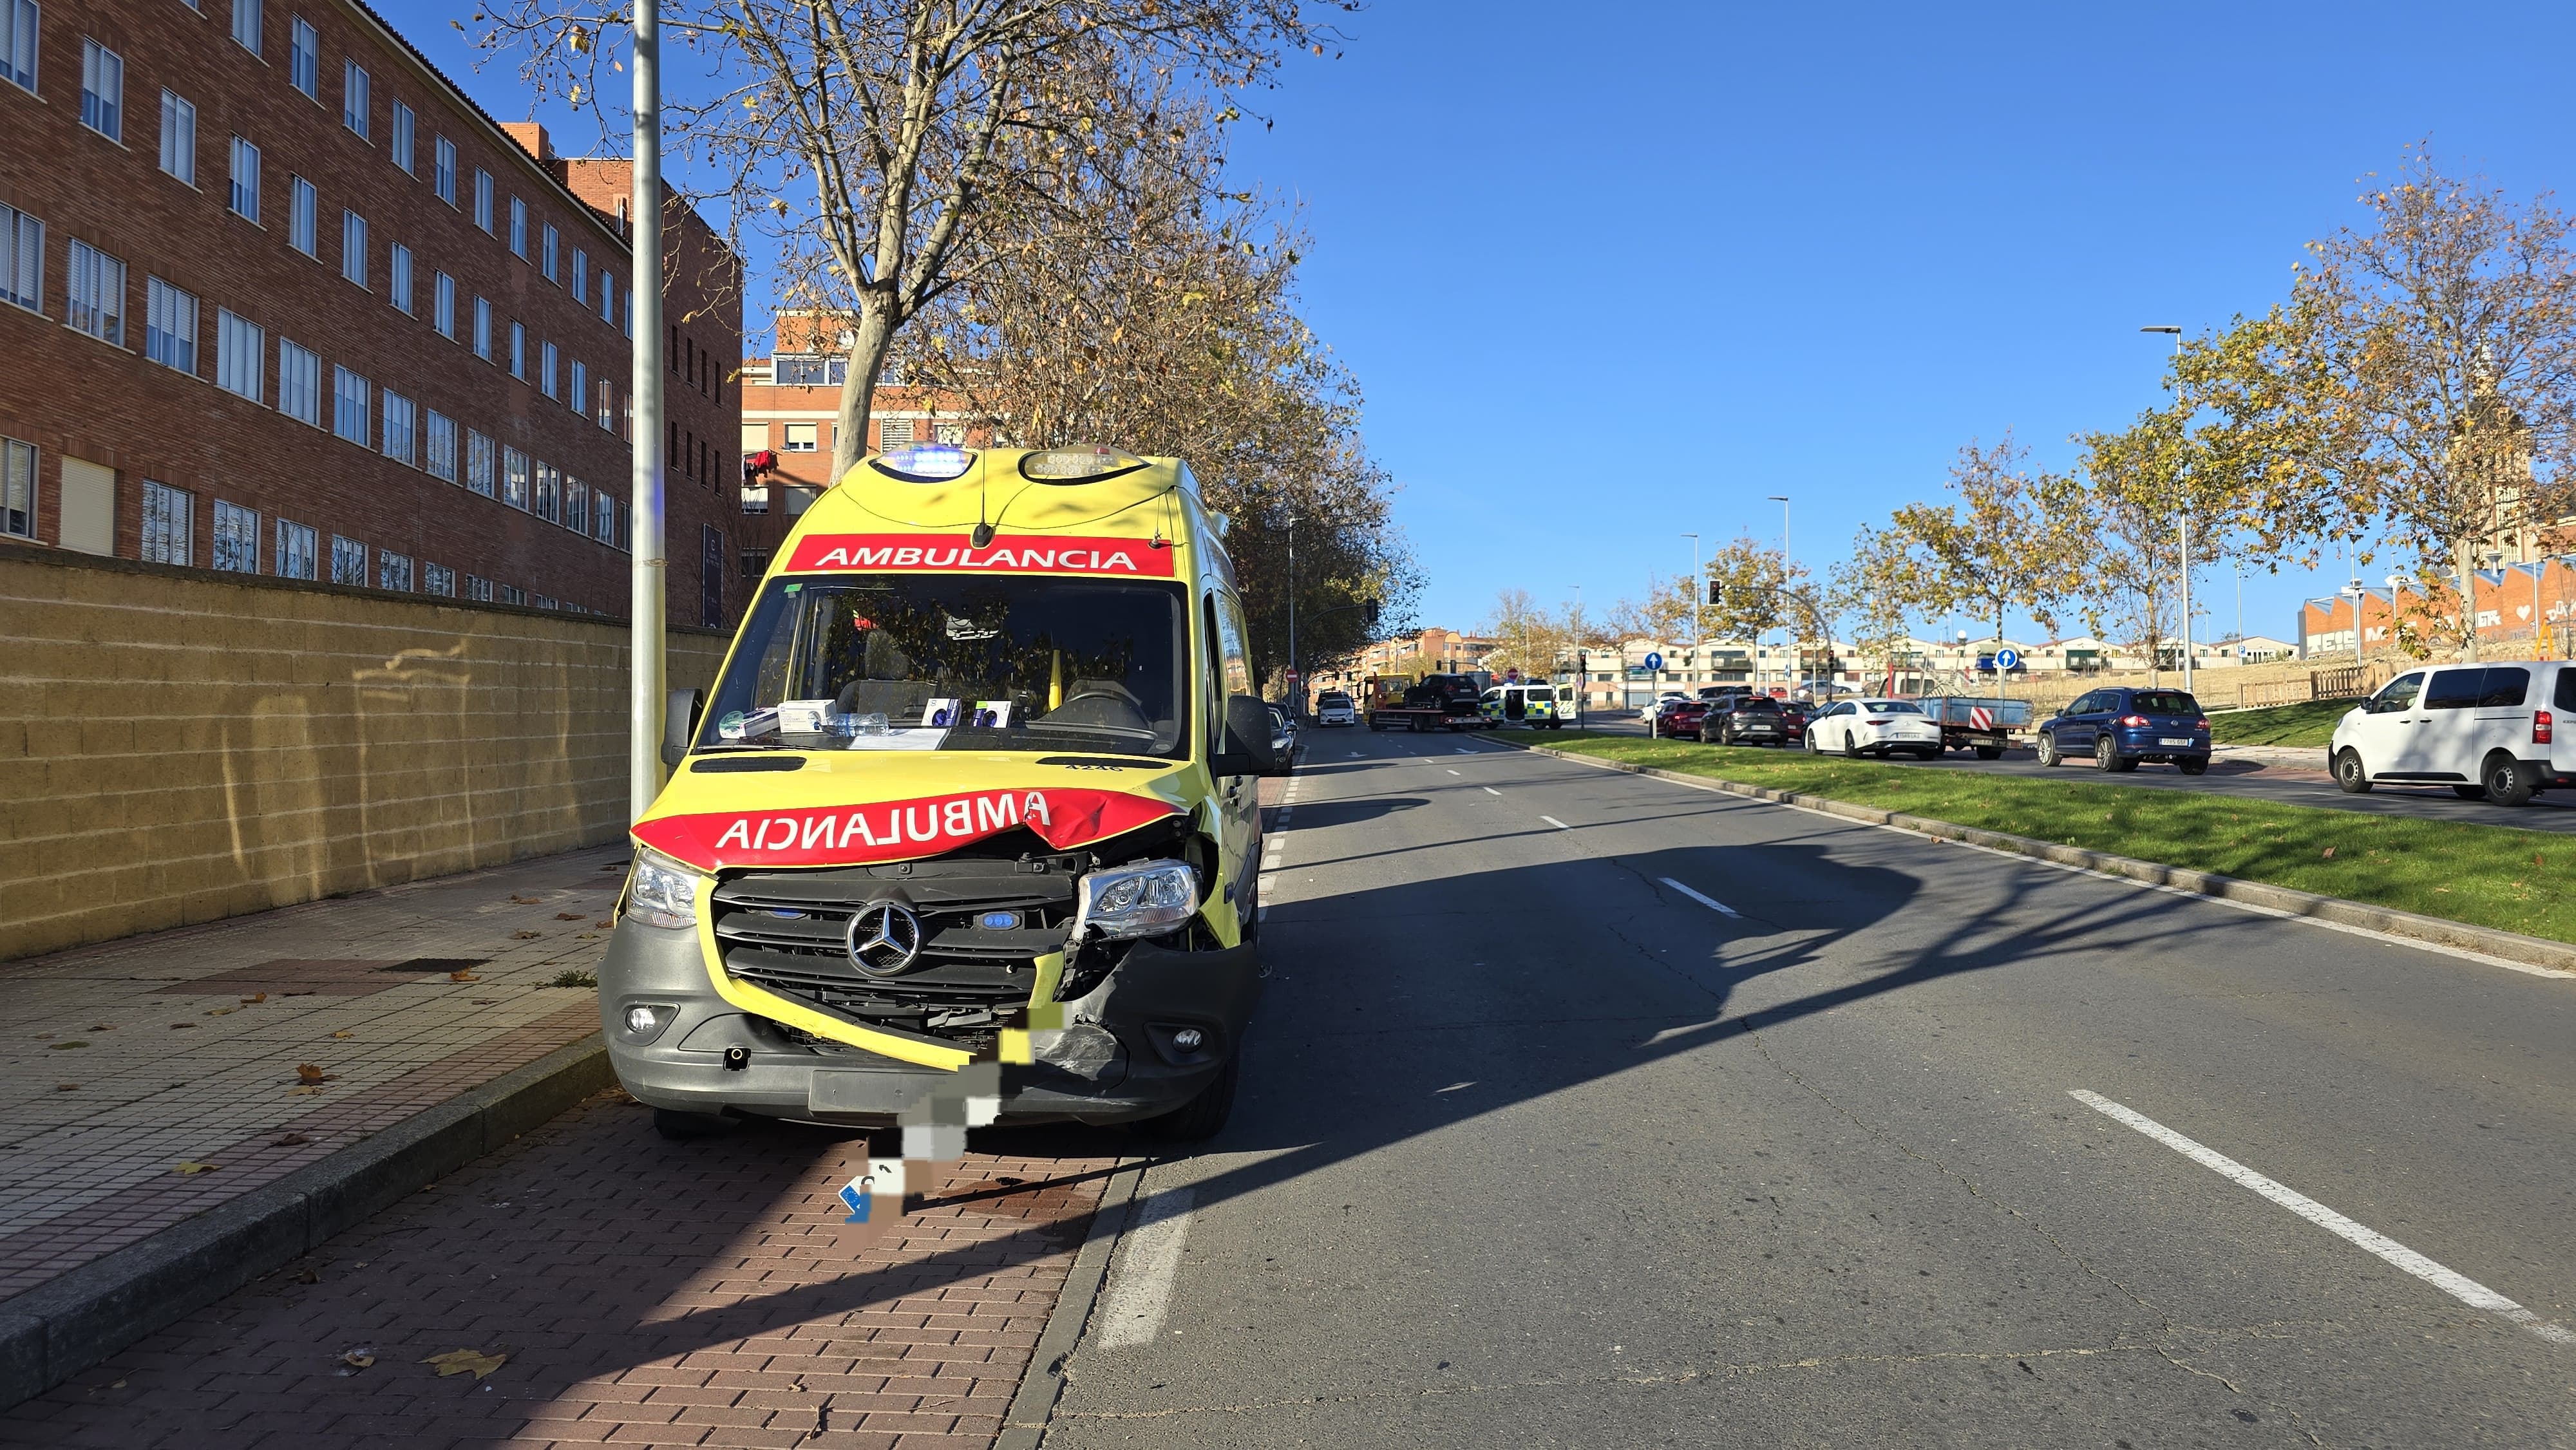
[{"x": 1117, "y": 1058}]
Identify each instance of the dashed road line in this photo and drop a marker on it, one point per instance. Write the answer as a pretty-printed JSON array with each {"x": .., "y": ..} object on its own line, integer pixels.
[
  {"x": 2459, "y": 1286},
  {"x": 1489, "y": 790},
  {"x": 1553, "y": 821},
  {"x": 1711, "y": 902}
]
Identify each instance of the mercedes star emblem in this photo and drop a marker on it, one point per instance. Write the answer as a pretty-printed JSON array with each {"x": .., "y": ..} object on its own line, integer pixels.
[{"x": 884, "y": 938}]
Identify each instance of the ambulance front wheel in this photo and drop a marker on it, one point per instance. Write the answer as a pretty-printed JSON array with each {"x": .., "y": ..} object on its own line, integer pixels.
[{"x": 1202, "y": 1116}]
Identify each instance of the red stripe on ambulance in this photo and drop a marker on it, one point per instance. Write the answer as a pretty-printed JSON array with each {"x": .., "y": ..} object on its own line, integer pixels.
[
  {"x": 895, "y": 830},
  {"x": 956, "y": 553}
]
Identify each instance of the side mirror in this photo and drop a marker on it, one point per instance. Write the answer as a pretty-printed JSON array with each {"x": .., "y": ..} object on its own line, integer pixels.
[
  {"x": 1246, "y": 747},
  {"x": 680, "y": 724}
]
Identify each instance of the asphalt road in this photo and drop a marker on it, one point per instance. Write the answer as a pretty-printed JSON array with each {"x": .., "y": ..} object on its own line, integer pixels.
[
  {"x": 2552, "y": 812},
  {"x": 1538, "y": 1146}
]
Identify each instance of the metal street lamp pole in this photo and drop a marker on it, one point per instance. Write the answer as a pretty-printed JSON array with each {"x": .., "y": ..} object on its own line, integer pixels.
[
  {"x": 1782, "y": 500},
  {"x": 644, "y": 296},
  {"x": 2186, "y": 544}
]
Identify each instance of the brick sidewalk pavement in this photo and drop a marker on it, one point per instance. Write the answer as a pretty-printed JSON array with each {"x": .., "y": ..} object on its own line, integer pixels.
[
  {"x": 636, "y": 1292},
  {"x": 128, "y": 1061}
]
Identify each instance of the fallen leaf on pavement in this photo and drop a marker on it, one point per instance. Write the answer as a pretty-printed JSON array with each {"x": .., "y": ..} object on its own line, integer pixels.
[
  {"x": 525, "y": 900},
  {"x": 311, "y": 1072},
  {"x": 308, "y": 1276},
  {"x": 221, "y": 1011},
  {"x": 175, "y": 1026},
  {"x": 525, "y": 935},
  {"x": 111, "y": 1027},
  {"x": 254, "y": 997},
  {"x": 484, "y": 1001},
  {"x": 291, "y": 1140},
  {"x": 193, "y": 1167},
  {"x": 463, "y": 977},
  {"x": 360, "y": 1357},
  {"x": 344, "y": 1032},
  {"x": 67, "y": 1087},
  {"x": 569, "y": 915},
  {"x": 603, "y": 923},
  {"x": 466, "y": 1361}
]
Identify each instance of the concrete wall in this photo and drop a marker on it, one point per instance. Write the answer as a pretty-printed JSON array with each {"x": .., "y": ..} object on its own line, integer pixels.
[{"x": 178, "y": 746}]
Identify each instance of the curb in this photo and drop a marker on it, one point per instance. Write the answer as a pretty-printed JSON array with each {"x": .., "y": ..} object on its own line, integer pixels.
[
  {"x": 2487, "y": 941},
  {"x": 58, "y": 1329},
  {"x": 1026, "y": 1423}
]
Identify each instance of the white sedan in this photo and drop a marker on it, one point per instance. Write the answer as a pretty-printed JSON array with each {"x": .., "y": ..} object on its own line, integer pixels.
[{"x": 1874, "y": 727}]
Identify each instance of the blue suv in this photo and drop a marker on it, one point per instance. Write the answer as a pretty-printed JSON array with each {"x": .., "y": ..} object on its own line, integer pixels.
[{"x": 2120, "y": 727}]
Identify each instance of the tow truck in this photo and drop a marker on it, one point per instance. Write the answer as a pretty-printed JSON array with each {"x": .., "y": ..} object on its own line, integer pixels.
[{"x": 1438, "y": 702}]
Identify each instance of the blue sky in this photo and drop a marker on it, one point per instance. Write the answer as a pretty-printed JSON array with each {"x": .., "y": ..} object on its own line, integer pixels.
[{"x": 1608, "y": 282}]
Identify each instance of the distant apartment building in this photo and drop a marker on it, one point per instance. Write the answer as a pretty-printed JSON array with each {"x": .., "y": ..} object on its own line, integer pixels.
[
  {"x": 279, "y": 298},
  {"x": 791, "y": 407}
]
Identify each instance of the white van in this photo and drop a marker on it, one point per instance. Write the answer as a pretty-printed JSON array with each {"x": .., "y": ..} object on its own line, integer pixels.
[{"x": 2488, "y": 731}]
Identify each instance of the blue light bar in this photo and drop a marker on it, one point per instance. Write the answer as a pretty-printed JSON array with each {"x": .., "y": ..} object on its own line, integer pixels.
[{"x": 927, "y": 462}]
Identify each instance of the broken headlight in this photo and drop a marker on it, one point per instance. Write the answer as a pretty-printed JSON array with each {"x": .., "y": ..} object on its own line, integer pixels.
[
  {"x": 1146, "y": 899},
  {"x": 662, "y": 892}
]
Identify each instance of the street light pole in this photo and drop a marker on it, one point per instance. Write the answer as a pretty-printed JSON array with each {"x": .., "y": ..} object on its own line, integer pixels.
[
  {"x": 644, "y": 297},
  {"x": 2186, "y": 544},
  {"x": 1782, "y": 500}
]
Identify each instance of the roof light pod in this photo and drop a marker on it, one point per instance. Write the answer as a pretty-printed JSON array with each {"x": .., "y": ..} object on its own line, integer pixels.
[
  {"x": 1077, "y": 463},
  {"x": 926, "y": 462}
]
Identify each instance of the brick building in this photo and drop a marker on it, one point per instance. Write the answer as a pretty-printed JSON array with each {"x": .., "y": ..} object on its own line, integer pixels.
[
  {"x": 2522, "y": 608},
  {"x": 791, "y": 404},
  {"x": 281, "y": 299}
]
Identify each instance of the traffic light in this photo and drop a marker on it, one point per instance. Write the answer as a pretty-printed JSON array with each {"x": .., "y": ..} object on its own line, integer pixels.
[
  {"x": 1372, "y": 613},
  {"x": 1716, "y": 591}
]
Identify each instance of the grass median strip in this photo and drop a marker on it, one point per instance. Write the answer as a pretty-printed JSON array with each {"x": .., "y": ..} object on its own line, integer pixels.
[
  {"x": 2310, "y": 722},
  {"x": 2491, "y": 876}
]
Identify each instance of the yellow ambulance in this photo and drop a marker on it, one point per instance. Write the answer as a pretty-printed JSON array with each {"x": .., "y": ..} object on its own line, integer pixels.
[{"x": 976, "y": 784}]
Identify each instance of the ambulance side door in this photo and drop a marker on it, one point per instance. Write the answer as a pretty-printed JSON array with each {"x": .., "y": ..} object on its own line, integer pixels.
[{"x": 1239, "y": 796}]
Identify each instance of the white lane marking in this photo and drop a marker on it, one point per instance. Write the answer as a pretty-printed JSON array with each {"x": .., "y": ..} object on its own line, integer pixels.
[
  {"x": 1711, "y": 902},
  {"x": 1462, "y": 750},
  {"x": 1553, "y": 821},
  {"x": 1452, "y": 772},
  {"x": 1142, "y": 1297},
  {"x": 2459, "y": 1286},
  {"x": 1489, "y": 790},
  {"x": 1355, "y": 755},
  {"x": 1266, "y": 882}
]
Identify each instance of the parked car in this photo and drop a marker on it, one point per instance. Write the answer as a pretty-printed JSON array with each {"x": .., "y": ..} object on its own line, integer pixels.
[
  {"x": 1875, "y": 727},
  {"x": 1682, "y": 720},
  {"x": 2120, "y": 727},
  {"x": 2488, "y": 731},
  {"x": 1794, "y": 715},
  {"x": 1747, "y": 720},
  {"x": 1283, "y": 739},
  {"x": 1335, "y": 708}
]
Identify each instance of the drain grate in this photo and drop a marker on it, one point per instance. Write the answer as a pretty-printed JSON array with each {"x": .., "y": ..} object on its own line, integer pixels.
[{"x": 438, "y": 964}]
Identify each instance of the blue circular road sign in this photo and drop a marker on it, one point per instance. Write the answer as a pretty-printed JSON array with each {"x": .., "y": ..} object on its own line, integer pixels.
[
  {"x": 2007, "y": 659},
  {"x": 1654, "y": 661}
]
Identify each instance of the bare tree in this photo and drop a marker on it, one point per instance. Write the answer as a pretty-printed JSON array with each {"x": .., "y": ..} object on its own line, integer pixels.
[{"x": 891, "y": 149}]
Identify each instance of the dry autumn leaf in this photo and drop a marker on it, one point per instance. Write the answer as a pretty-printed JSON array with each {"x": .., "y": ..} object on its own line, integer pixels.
[
  {"x": 359, "y": 1358},
  {"x": 463, "y": 977},
  {"x": 525, "y": 935},
  {"x": 569, "y": 915},
  {"x": 2329, "y": 853},
  {"x": 195, "y": 1167},
  {"x": 466, "y": 1361},
  {"x": 254, "y": 997},
  {"x": 526, "y": 900},
  {"x": 344, "y": 1032},
  {"x": 311, "y": 1072}
]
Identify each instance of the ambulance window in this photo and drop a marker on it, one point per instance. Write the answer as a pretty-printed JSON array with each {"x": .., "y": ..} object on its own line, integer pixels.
[{"x": 1229, "y": 633}]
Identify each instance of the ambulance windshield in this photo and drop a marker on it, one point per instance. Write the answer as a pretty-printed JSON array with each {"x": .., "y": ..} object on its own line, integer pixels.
[{"x": 958, "y": 662}]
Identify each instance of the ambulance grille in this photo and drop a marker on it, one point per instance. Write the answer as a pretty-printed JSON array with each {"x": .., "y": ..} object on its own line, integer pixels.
[{"x": 788, "y": 932}]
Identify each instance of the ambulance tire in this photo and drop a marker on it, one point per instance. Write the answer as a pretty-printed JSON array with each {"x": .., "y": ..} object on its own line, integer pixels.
[
  {"x": 682, "y": 1127},
  {"x": 1202, "y": 1116}
]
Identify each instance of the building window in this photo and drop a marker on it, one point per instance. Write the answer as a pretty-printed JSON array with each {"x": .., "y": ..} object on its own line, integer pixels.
[
  {"x": 893, "y": 434},
  {"x": 442, "y": 305},
  {"x": 299, "y": 383},
  {"x": 483, "y": 328},
  {"x": 304, "y": 59},
  {"x": 478, "y": 463},
  {"x": 478, "y": 587},
  {"x": 755, "y": 498},
  {"x": 950, "y": 433},
  {"x": 17, "y": 488},
  {"x": 399, "y": 143},
  {"x": 178, "y": 138},
  {"x": 580, "y": 388},
  {"x": 518, "y": 352},
  {"x": 236, "y": 538},
  {"x": 519, "y": 228},
  {"x": 711, "y": 556},
  {"x": 811, "y": 372},
  {"x": 800, "y": 437},
  {"x": 401, "y": 427},
  {"x": 576, "y": 506},
  {"x": 483, "y": 199},
  {"x": 102, "y": 90},
  {"x": 398, "y": 277},
  {"x": 546, "y": 368},
  {"x": 607, "y": 405},
  {"x": 438, "y": 579},
  {"x": 441, "y": 434},
  {"x": 303, "y": 225},
  {"x": 603, "y": 519},
  {"x": 96, "y": 282},
  {"x": 549, "y": 492},
  {"x": 550, "y": 253},
  {"x": 168, "y": 524},
  {"x": 607, "y": 297},
  {"x": 514, "y": 478},
  {"x": 580, "y": 273},
  {"x": 169, "y": 325},
  {"x": 512, "y": 594},
  {"x": 353, "y": 246},
  {"x": 297, "y": 545},
  {"x": 18, "y": 24},
  {"x": 22, "y": 257},
  {"x": 442, "y": 170},
  {"x": 349, "y": 405},
  {"x": 353, "y": 97},
  {"x": 393, "y": 571},
  {"x": 245, "y": 192},
  {"x": 755, "y": 562},
  {"x": 348, "y": 561},
  {"x": 241, "y": 348}
]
